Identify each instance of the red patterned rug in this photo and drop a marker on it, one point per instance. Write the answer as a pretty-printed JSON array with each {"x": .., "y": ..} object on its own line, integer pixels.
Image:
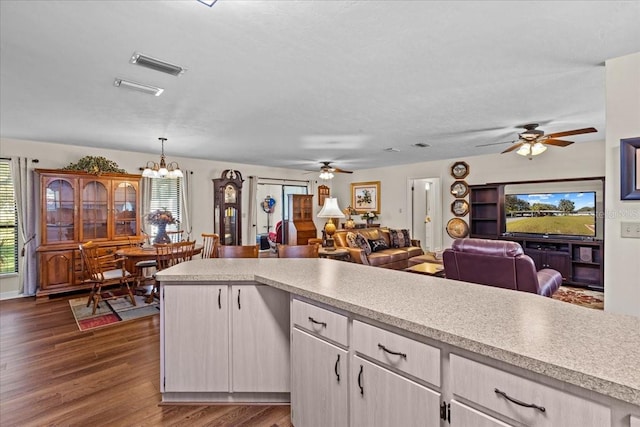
[
  {"x": 580, "y": 296},
  {"x": 111, "y": 312}
]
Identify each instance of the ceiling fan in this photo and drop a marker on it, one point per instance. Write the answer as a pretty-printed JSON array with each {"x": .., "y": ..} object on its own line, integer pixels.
[
  {"x": 326, "y": 170},
  {"x": 533, "y": 141}
]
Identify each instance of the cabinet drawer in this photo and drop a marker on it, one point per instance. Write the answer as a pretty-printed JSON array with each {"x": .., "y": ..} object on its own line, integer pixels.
[
  {"x": 415, "y": 358},
  {"x": 322, "y": 322},
  {"x": 478, "y": 383}
]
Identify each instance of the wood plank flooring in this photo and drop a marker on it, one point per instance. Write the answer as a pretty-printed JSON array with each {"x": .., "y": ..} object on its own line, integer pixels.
[{"x": 53, "y": 374}]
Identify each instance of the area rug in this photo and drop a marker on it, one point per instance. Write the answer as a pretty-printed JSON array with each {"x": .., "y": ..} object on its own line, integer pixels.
[
  {"x": 111, "y": 311},
  {"x": 580, "y": 296}
]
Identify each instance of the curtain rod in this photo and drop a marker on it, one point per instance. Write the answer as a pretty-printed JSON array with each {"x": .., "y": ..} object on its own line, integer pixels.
[
  {"x": 9, "y": 158},
  {"x": 283, "y": 179}
]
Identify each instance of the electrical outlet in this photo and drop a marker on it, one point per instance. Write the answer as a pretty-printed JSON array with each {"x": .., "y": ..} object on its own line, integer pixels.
[{"x": 630, "y": 230}]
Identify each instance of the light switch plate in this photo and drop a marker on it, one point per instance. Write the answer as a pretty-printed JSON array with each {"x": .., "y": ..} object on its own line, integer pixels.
[{"x": 630, "y": 230}]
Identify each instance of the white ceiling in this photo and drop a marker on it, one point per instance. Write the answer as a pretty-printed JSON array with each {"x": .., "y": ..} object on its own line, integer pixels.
[{"x": 292, "y": 83}]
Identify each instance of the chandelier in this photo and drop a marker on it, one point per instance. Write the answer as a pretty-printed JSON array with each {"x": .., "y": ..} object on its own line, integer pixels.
[{"x": 162, "y": 169}]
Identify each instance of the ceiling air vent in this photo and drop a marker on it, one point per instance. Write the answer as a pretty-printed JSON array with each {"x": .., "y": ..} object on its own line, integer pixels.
[
  {"x": 151, "y": 90},
  {"x": 156, "y": 64},
  {"x": 391, "y": 150}
]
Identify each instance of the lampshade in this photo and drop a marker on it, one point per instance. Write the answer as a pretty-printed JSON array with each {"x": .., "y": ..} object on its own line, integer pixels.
[
  {"x": 330, "y": 209},
  {"x": 162, "y": 169},
  {"x": 529, "y": 149}
]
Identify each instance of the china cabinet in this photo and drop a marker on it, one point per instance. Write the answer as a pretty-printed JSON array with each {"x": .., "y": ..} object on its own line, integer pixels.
[
  {"x": 299, "y": 224},
  {"x": 77, "y": 207}
]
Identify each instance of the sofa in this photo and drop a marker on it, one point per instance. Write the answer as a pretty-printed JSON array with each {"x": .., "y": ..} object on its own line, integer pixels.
[
  {"x": 377, "y": 254},
  {"x": 498, "y": 263}
]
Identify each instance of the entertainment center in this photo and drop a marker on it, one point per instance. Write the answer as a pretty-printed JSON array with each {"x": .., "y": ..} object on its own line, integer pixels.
[{"x": 577, "y": 255}]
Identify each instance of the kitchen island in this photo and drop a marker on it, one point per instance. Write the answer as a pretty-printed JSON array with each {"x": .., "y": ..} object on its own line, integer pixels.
[{"x": 568, "y": 349}]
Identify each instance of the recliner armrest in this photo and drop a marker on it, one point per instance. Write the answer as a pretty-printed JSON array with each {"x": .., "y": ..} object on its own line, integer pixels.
[{"x": 549, "y": 281}]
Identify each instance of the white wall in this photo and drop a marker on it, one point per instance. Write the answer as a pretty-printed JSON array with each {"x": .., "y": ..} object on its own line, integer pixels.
[{"x": 622, "y": 266}]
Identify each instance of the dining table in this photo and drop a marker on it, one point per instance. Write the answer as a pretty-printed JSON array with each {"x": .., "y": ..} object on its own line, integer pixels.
[{"x": 135, "y": 254}]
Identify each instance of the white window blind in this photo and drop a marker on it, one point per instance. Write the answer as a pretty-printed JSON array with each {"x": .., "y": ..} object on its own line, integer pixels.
[
  {"x": 8, "y": 222},
  {"x": 166, "y": 193}
]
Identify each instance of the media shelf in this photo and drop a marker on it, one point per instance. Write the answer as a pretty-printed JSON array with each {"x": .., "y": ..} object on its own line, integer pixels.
[{"x": 580, "y": 262}]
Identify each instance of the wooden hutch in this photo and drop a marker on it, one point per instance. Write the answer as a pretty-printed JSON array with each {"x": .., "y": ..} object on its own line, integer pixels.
[
  {"x": 76, "y": 207},
  {"x": 299, "y": 224}
]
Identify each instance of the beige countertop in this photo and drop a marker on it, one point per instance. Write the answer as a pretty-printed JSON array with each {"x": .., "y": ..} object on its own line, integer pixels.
[{"x": 589, "y": 348}]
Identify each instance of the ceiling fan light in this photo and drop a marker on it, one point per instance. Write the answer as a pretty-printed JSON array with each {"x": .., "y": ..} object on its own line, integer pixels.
[
  {"x": 525, "y": 150},
  {"x": 538, "y": 148},
  {"x": 326, "y": 175}
]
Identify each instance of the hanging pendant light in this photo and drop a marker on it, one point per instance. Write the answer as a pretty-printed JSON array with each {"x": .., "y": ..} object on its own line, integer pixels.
[{"x": 162, "y": 169}]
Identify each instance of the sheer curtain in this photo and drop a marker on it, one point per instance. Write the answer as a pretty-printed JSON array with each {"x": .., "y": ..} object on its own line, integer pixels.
[
  {"x": 253, "y": 210},
  {"x": 187, "y": 200},
  {"x": 26, "y": 206},
  {"x": 145, "y": 203}
]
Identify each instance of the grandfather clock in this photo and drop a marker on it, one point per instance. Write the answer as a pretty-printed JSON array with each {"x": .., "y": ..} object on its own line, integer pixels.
[{"x": 227, "y": 207}]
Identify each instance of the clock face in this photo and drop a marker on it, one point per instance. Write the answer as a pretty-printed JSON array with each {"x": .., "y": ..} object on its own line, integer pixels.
[
  {"x": 459, "y": 170},
  {"x": 459, "y": 189}
]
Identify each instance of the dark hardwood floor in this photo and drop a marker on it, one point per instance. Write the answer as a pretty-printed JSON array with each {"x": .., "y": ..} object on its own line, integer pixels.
[{"x": 53, "y": 374}]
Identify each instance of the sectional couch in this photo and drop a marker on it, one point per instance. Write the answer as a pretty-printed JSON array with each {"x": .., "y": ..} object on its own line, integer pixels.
[{"x": 397, "y": 258}]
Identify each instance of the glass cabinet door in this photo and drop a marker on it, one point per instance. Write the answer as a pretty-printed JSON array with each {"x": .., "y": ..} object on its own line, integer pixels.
[
  {"x": 125, "y": 208},
  {"x": 94, "y": 210},
  {"x": 60, "y": 217}
]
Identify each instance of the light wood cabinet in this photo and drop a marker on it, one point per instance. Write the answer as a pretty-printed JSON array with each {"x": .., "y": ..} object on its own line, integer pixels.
[
  {"x": 260, "y": 339},
  {"x": 299, "y": 225},
  {"x": 197, "y": 326},
  {"x": 380, "y": 397},
  {"x": 77, "y": 207},
  {"x": 223, "y": 342},
  {"x": 319, "y": 382}
]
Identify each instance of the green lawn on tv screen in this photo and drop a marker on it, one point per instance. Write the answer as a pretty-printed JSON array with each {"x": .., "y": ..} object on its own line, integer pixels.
[{"x": 581, "y": 225}]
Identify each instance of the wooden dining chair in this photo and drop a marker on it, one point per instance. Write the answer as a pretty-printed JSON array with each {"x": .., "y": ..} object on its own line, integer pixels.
[
  {"x": 210, "y": 243},
  {"x": 168, "y": 255},
  {"x": 176, "y": 236},
  {"x": 104, "y": 270},
  {"x": 238, "y": 251},
  {"x": 298, "y": 251},
  {"x": 141, "y": 274}
]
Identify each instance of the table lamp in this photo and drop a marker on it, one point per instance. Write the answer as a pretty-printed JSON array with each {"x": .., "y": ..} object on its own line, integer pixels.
[{"x": 330, "y": 210}]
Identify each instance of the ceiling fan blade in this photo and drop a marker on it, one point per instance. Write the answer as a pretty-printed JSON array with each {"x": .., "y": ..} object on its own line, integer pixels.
[
  {"x": 571, "y": 132},
  {"x": 341, "y": 170},
  {"x": 513, "y": 147},
  {"x": 557, "y": 142},
  {"x": 495, "y": 143}
]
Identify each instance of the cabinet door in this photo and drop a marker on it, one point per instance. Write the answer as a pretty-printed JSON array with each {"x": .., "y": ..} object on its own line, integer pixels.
[
  {"x": 380, "y": 397},
  {"x": 56, "y": 269},
  {"x": 58, "y": 210},
  {"x": 260, "y": 339},
  {"x": 319, "y": 382},
  {"x": 125, "y": 209},
  {"x": 196, "y": 338},
  {"x": 463, "y": 416},
  {"x": 94, "y": 209},
  {"x": 559, "y": 261}
]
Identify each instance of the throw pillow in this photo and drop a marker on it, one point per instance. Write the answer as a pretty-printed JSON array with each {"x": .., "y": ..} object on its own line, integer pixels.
[
  {"x": 363, "y": 244},
  {"x": 378, "y": 245},
  {"x": 351, "y": 240},
  {"x": 400, "y": 238}
]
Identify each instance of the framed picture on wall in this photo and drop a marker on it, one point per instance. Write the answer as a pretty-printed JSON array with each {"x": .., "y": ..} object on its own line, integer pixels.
[
  {"x": 630, "y": 169},
  {"x": 365, "y": 196}
]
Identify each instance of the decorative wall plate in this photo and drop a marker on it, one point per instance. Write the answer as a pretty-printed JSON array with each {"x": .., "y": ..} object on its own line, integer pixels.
[
  {"x": 457, "y": 228},
  {"x": 459, "y": 189},
  {"x": 460, "y": 207},
  {"x": 459, "y": 170}
]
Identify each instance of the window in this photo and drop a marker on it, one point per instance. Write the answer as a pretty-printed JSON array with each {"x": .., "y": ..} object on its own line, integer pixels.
[
  {"x": 8, "y": 222},
  {"x": 166, "y": 193}
]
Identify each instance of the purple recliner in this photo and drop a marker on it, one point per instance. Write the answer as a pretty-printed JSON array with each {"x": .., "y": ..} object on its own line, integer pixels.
[{"x": 498, "y": 263}]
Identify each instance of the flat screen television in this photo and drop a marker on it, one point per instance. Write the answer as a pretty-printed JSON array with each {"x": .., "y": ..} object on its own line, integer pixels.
[{"x": 551, "y": 213}]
